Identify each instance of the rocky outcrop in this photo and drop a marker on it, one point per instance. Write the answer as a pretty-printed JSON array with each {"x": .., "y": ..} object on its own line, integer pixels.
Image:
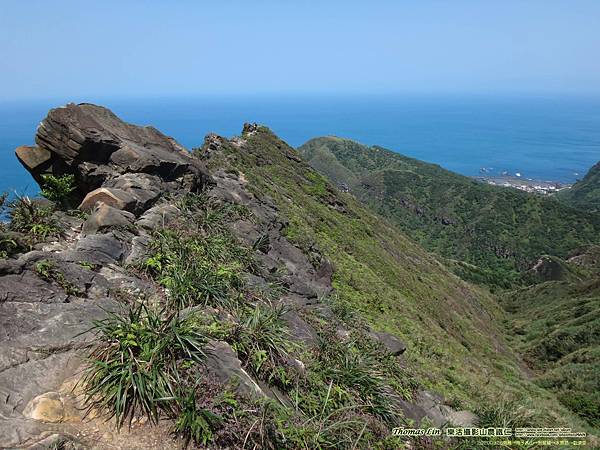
[
  {"x": 133, "y": 164},
  {"x": 50, "y": 297}
]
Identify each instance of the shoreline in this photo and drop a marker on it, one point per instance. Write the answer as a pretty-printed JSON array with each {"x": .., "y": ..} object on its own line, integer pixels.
[{"x": 524, "y": 184}]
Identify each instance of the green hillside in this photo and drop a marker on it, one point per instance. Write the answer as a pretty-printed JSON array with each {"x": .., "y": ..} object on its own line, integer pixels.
[
  {"x": 453, "y": 330},
  {"x": 585, "y": 194},
  {"x": 489, "y": 234},
  {"x": 556, "y": 326}
]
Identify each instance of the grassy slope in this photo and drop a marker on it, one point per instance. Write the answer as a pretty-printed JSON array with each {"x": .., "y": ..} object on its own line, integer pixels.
[
  {"x": 450, "y": 327},
  {"x": 556, "y": 325},
  {"x": 494, "y": 232},
  {"x": 585, "y": 194}
]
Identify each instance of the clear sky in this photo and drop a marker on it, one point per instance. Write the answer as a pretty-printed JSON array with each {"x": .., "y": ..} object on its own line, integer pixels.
[{"x": 161, "y": 48}]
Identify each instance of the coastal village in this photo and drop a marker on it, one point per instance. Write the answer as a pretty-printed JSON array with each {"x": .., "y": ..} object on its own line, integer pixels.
[{"x": 528, "y": 185}]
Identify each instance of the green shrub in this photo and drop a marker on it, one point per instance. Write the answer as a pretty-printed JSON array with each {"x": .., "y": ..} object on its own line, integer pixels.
[
  {"x": 585, "y": 404},
  {"x": 328, "y": 428},
  {"x": 58, "y": 189},
  {"x": 136, "y": 366},
  {"x": 196, "y": 258},
  {"x": 197, "y": 268}
]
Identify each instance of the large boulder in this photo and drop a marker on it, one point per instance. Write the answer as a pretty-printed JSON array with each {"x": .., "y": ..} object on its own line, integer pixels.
[{"x": 92, "y": 143}]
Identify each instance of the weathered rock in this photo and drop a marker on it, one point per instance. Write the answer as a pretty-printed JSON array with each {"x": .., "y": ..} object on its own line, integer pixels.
[
  {"x": 394, "y": 345},
  {"x": 462, "y": 418},
  {"x": 40, "y": 347},
  {"x": 98, "y": 249},
  {"x": 145, "y": 188},
  {"x": 223, "y": 363},
  {"x": 430, "y": 406},
  {"x": 139, "y": 249},
  {"x": 300, "y": 330},
  {"x": 13, "y": 286},
  {"x": 35, "y": 159},
  {"x": 115, "y": 198},
  {"x": 95, "y": 145},
  {"x": 105, "y": 216},
  {"x": 158, "y": 216},
  {"x": 230, "y": 188},
  {"x": 47, "y": 407}
]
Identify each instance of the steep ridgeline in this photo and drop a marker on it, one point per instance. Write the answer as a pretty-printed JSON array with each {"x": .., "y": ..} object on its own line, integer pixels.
[
  {"x": 449, "y": 326},
  {"x": 489, "y": 234},
  {"x": 233, "y": 298},
  {"x": 585, "y": 194}
]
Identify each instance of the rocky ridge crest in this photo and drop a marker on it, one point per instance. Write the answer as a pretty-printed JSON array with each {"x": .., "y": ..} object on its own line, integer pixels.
[{"x": 127, "y": 178}]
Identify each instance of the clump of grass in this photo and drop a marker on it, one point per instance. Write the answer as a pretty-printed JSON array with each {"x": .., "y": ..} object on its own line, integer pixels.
[
  {"x": 197, "y": 259},
  {"x": 135, "y": 368},
  {"x": 194, "y": 423},
  {"x": 357, "y": 373},
  {"x": 361, "y": 370},
  {"x": 328, "y": 428},
  {"x": 506, "y": 413},
  {"x": 32, "y": 217},
  {"x": 262, "y": 342}
]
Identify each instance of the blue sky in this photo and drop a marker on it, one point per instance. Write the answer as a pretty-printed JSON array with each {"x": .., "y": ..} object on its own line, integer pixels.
[{"x": 174, "y": 48}]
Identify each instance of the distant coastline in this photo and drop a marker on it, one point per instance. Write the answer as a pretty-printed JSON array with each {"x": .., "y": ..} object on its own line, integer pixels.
[{"x": 524, "y": 184}]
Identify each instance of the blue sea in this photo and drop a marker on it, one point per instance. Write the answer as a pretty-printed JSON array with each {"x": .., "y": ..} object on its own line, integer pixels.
[{"x": 543, "y": 138}]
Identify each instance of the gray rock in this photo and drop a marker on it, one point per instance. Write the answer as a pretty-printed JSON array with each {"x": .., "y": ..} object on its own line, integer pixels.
[
  {"x": 394, "y": 345},
  {"x": 116, "y": 198},
  {"x": 36, "y": 160},
  {"x": 144, "y": 188},
  {"x": 98, "y": 249},
  {"x": 28, "y": 287},
  {"x": 105, "y": 216},
  {"x": 223, "y": 363},
  {"x": 139, "y": 249},
  {"x": 299, "y": 329},
  {"x": 438, "y": 413},
  {"x": 158, "y": 216},
  {"x": 40, "y": 348},
  {"x": 93, "y": 143},
  {"x": 462, "y": 418}
]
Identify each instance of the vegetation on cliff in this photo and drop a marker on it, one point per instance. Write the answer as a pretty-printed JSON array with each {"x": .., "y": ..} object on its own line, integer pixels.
[
  {"x": 451, "y": 327},
  {"x": 556, "y": 326}
]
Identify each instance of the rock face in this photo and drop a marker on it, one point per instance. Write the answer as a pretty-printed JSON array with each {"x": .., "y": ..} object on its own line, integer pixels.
[{"x": 97, "y": 147}]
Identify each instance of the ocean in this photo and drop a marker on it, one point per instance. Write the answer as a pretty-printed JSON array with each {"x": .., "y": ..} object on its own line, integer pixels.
[{"x": 542, "y": 138}]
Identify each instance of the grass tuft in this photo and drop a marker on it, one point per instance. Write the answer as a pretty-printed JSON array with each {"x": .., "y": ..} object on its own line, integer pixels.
[{"x": 135, "y": 368}]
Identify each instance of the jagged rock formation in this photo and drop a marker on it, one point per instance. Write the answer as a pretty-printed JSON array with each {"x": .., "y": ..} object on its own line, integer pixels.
[
  {"x": 112, "y": 161},
  {"x": 49, "y": 297}
]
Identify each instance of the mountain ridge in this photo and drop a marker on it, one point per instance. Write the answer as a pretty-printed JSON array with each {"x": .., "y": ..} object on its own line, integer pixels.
[
  {"x": 499, "y": 230},
  {"x": 246, "y": 284}
]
